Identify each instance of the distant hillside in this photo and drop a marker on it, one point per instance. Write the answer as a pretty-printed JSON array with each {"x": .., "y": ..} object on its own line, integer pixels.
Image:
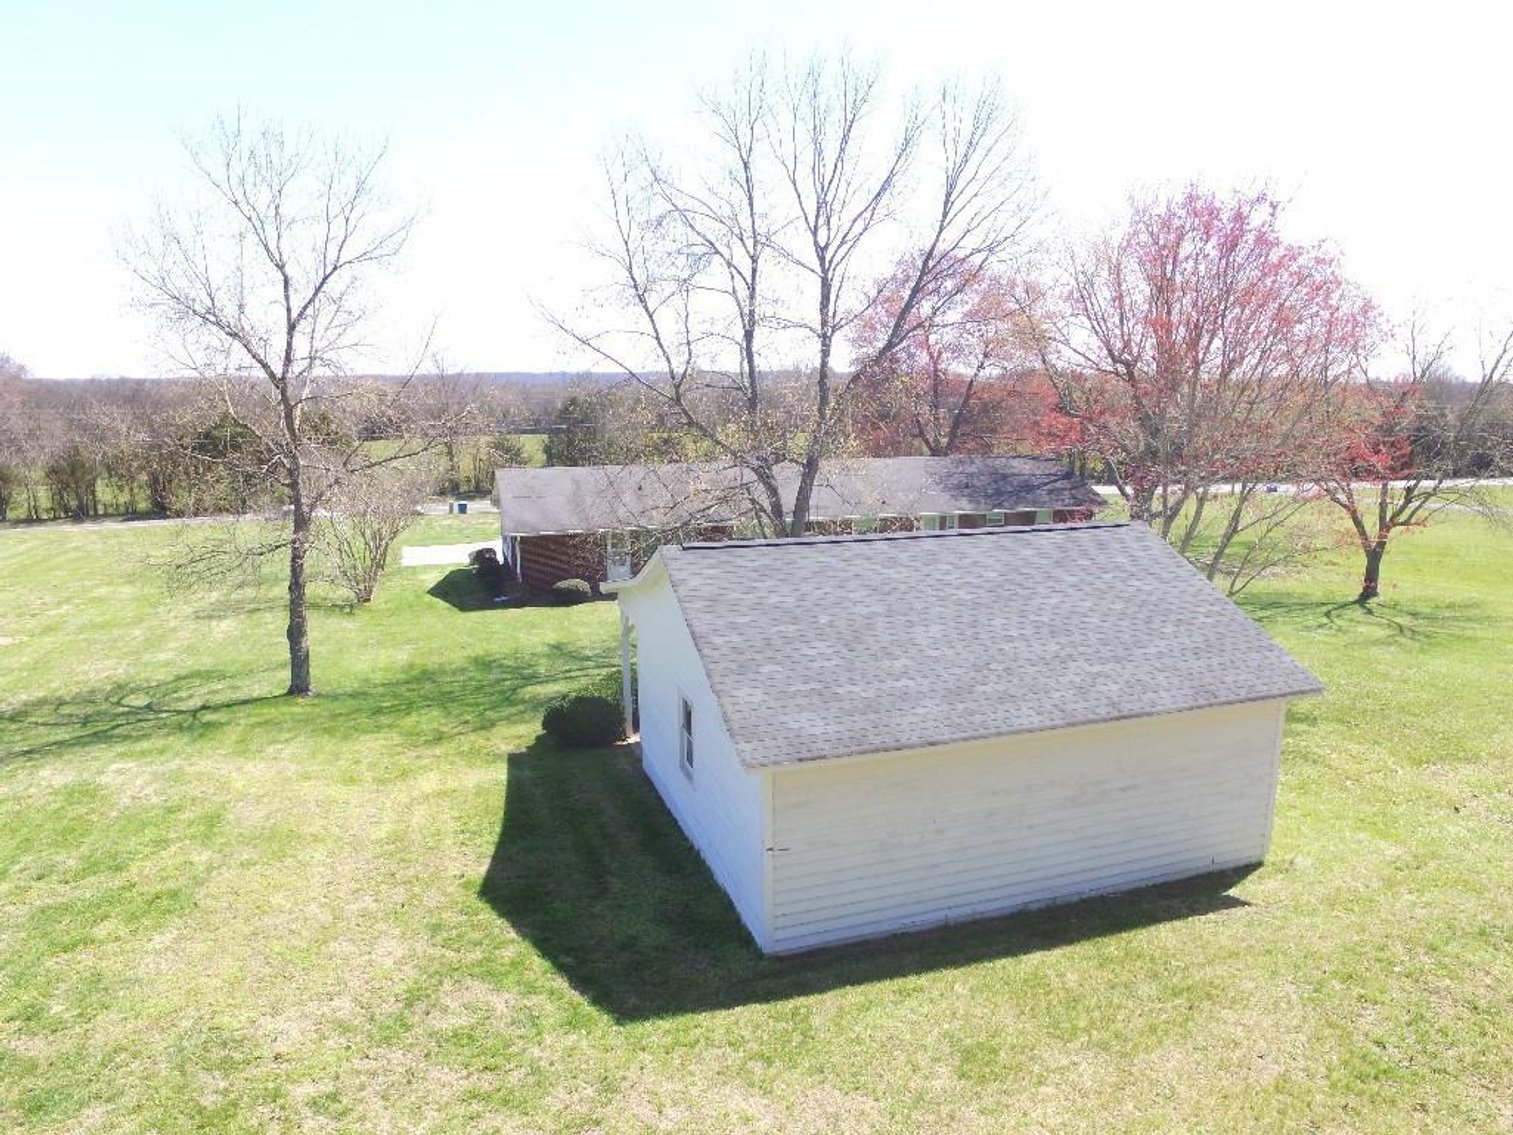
[
  {"x": 492, "y": 377},
  {"x": 542, "y": 378}
]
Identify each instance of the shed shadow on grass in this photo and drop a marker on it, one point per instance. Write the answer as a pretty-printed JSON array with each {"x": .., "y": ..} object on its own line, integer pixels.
[
  {"x": 460, "y": 588},
  {"x": 593, "y": 871}
]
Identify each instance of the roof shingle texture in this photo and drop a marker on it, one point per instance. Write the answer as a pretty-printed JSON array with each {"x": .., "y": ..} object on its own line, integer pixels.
[
  {"x": 598, "y": 498},
  {"x": 831, "y": 647}
]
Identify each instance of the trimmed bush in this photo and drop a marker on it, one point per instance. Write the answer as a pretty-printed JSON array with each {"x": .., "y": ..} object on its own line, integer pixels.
[
  {"x": 584, "y": 720},
  {"x": 571, "y": 591}
]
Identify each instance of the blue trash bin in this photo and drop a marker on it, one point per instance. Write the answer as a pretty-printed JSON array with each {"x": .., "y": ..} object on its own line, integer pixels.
[{"x": 462, "y": 506}]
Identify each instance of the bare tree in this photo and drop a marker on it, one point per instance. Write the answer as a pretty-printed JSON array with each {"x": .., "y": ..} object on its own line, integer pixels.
[
  {"x": 1400, "y": 457},
  {"x": 742, "y": 277},
  {"x": 12, "y": 403},
  {"x": 367, "y": 514},
  {"x": 258, "y": 287}
]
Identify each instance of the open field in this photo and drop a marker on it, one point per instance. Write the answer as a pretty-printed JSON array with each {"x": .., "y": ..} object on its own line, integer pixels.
[{"x": 395, "y": 908}]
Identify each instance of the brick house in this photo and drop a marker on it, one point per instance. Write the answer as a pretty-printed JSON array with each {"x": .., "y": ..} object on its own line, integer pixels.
[{"x": 603, "y": 522}]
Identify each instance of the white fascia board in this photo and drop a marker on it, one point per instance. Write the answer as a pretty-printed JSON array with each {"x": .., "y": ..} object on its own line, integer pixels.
[{"x": 653, "y": 570}]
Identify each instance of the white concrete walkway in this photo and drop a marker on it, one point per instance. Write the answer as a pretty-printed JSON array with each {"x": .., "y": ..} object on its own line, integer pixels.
[{"x": 430, "y": 555}]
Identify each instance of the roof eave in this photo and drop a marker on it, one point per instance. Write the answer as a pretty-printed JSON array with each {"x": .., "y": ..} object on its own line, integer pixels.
[
  {"x": 651, "y": 571},
  {"x": 1316, "y": 690}
]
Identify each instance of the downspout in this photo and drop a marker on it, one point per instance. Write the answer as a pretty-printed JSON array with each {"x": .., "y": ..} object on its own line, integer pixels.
[{"x": 626, "y": 693}]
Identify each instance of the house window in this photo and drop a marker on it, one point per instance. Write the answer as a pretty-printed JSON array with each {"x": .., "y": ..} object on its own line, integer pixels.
[
  {"x": 996, "y": 519},
  {"x": 937, "y": 521},
  {"x": 617, "y": 560},
  {"x": 1043, "y": 516},
  {"x": 685, "y": 737}
]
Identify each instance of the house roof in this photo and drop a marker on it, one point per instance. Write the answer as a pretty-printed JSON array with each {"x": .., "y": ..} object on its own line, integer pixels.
[
  {"x": 823, "y": 648},
  {"x": 600, "y": 498}
]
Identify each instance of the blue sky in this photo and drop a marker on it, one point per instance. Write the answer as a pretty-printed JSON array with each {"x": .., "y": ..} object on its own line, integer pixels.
[{"x": 1386, "y": 128}]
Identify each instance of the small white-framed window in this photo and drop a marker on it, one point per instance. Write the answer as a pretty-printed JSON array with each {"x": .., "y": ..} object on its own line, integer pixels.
[
  {"x": 937, "y": 521},
  {"x": 617, "y": 556},
  {"x": 685, "y": 736},
  {"x": 996, "y": 519}
]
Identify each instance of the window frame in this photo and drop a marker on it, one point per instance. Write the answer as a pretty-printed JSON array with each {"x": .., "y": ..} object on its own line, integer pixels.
[
  {"x": 687, "y": 751},
  {"x": 619, "y": 556}
]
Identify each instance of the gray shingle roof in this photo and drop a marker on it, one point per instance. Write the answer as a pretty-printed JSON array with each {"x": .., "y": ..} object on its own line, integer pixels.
[
  {"x": 598, "y": 498},
  {"x": 828, "y": 647}
]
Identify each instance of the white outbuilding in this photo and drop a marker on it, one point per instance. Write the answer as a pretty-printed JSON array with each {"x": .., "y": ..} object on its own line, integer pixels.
[{"x": 877, "y": 733}]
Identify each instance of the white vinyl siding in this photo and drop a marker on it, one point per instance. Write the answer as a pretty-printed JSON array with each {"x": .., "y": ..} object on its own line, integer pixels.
[
  {"x": 868, "y": 846},
  {"x": 721, "y": 807}
]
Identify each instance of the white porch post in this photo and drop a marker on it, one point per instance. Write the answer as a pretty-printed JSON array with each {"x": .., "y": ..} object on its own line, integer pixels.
[{"x": 625, "y": 684}]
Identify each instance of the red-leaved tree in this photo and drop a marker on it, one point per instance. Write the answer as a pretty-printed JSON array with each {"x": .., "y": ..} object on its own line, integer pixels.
[
  {"x": 961, "y": 380},
  {"x": 1198, "y": 352},
  {"x": 1402, "y": 451}
]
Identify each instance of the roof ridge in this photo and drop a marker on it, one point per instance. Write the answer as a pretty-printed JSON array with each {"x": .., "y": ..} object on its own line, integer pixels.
[{"x": 878, "y": 537}]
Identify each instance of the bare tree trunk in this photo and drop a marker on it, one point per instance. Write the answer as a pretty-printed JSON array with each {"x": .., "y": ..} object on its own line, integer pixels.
[
  {"x": 798, "y": 520},
  {"x": 298, "y": 631},
  {"x": 1371, "y": 583}
]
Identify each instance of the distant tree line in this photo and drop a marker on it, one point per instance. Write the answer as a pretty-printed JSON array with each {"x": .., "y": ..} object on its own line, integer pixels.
[{"x": 165, "y": 447}]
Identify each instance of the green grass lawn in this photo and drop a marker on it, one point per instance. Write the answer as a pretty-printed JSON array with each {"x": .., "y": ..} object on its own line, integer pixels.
[{"x": 395, "y": 908}]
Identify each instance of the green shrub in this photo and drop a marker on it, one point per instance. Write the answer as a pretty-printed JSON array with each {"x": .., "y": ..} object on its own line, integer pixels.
[
  {"x": 589, "y": 716},
  {"x": 570, "y": 591}
]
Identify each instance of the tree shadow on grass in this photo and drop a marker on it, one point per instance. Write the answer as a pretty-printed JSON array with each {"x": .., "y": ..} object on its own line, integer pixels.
[
  {"x": 421, "y": 704},
  {"x": 1416, "y": 624},
  {"x": 593, "y": 871},
  {"x": 117, "y": 712}
]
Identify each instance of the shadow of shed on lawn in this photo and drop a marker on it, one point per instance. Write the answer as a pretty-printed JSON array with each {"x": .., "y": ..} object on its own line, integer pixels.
[
  {"x": 592, "y": 870},
  {"x": 460, "y": 588}
]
